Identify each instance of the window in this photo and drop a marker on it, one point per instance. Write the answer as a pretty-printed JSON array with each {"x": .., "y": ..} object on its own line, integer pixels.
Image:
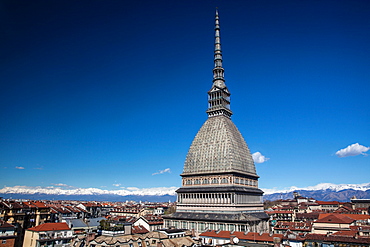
[
  {"x": 224, "y": 181},
  {"x": 4, "y": 241},
  {"x": 242, "y": 228},
  {"x": 205, "y": 181},
  {"x": 236, "y": 180},
  {"x": 192, "y": 225},
  {"x": 232, "y": 227},
  {"x": 201, "y": 226},
  {"x": 197, "y": 181},
  {"x": 188, "y": 182},
  {"x": 184, "y": 224},
  {"x": 215, "y": 181}
]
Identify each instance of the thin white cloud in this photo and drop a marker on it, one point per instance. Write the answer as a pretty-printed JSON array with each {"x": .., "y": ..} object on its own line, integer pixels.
[
  {"x": 20, "y": 167},
  {"x": 61, "y": 185},
  {"x": 133, "y": 188},
  {"x": 117, "y": 185},
  {"x": 259, "y": 158},
  {"x": 352, "y": 150},
  {"x": 162, "y": 171}
]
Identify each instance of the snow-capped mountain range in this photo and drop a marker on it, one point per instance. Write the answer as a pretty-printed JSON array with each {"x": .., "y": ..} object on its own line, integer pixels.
[
  {"x": 322, "y": 191},
  {"x": 321, "y": 186},
  {"x": 67, "y": 190}
]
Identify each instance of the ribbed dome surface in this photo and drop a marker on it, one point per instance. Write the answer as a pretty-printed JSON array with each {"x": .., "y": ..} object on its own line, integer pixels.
[{"x": 219, "y": 147}]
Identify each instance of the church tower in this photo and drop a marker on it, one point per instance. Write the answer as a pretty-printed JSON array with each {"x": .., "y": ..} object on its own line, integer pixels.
[{"x": 219, "y": 181}]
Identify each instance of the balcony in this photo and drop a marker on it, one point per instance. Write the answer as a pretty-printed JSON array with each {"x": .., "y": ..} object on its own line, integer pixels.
[
  {"x": 112, "y": 233},
  {"x": 55, "y": 245}
]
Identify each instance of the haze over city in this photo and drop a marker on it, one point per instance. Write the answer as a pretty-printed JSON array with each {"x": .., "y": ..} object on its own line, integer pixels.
[{"x": 110, "y": 94}]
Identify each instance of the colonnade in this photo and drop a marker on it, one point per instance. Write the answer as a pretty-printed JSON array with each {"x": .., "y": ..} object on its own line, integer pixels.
[
  {"x": 251, "y": 226},
  {"x": 217, "y": 198},
  {"x": 220, "y": 180},
  {"x": 208, "y": 198}
]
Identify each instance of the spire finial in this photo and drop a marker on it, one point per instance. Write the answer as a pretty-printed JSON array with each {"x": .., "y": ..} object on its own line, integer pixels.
[
  {"x": 218, "y": 71},
  {"x": 219, "y": 95}
]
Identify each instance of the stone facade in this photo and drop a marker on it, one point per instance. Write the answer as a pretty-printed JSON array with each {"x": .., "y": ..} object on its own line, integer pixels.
[{"x": 219, "y": 181}]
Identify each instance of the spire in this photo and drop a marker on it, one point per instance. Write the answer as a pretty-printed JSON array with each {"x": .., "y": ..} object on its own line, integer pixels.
[
  {"x": 218, "y": 95},
  {"x": 218, "y": 71}
]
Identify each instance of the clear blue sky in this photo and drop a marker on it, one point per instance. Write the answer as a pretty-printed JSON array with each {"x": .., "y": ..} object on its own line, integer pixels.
[{"x": 96, "y": 93}]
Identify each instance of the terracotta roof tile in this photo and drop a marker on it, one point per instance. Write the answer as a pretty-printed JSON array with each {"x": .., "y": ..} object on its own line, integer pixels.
[
  {"x": 4, "y": 224},
  {"x": 333, "y": 238},
  {"x": 39, "y": 204},
  {"x": 360, "y": 228},
  {"x": 139, "y": 230},
  {"x": 50, "y": 227},
  {"x": 346, "y": 233},
  {"x": 334, "y": 218},
  {"x": 352, "y": 216},
  {"x": 328, "y": 203}
]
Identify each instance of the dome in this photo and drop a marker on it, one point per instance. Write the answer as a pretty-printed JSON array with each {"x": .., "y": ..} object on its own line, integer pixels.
[{"x": 219, "y": 147}]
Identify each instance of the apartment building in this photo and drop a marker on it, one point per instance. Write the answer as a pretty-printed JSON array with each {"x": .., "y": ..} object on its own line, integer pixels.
[{"x": 48, "y": 234}]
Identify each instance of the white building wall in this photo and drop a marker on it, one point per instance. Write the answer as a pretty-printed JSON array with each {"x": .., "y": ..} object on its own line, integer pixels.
[{"x": 141, "y": 222}]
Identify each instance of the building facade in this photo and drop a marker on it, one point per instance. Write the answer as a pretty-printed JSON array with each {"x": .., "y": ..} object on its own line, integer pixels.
[
  {"x": 219, "y": 181},
  {"x": 7, "y": 234},
  {"x": 48, "y": 234}
]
